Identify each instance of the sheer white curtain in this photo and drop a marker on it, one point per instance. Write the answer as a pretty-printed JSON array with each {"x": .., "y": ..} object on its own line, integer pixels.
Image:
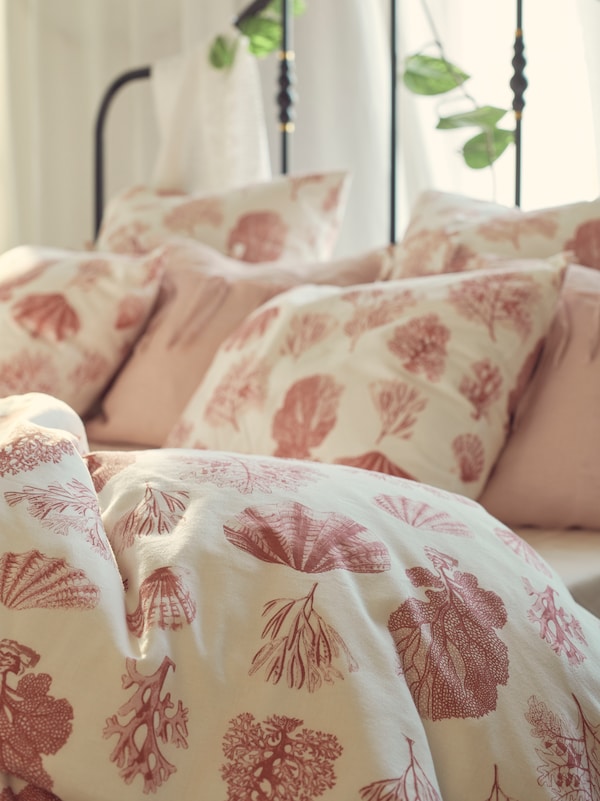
[{"x": 57, "y": 57}]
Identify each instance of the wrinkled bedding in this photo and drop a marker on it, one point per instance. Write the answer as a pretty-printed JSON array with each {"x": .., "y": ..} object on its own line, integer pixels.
[{"x": 189, "y": 624}]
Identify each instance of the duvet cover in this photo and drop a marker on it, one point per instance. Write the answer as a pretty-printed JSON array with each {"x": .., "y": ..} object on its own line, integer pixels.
[{"x": 193, "y": 624}]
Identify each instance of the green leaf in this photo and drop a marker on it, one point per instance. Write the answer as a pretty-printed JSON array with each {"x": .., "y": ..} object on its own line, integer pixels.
[
  {"x": 264, "y": 34},
  {"x": 483, "y": 150},
  {"x": 486, "y": 117},
  {"x": 425, "y": 75},
  {"x": 222, "y": 52}
]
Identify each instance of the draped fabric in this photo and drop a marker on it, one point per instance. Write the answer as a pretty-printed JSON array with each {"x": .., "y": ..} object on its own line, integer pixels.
[{"x": 56, "y": 59}]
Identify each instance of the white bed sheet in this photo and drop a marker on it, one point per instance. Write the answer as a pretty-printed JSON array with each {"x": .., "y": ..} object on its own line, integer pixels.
[{"x": 575, "y": 555}]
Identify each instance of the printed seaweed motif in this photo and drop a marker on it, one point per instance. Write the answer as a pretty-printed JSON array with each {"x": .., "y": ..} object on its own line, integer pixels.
[
  {"x": 306, "y": 331},
  {"x": 244, "y": 385},
  {"x": 398, "y": 405},
  {"x": 301, "y": 645},
  {"x": 32, "y": 447},
  {"x": 138, "y": 752},
  {"x": 421, "y": 345},
  {"x": 570, "y": 755},
  {"x": 28, "y": 793},
  {"x": 413, "y": 785},
  {"x": 557, "y": 628},
  {"x": 373, "y": 309},
  {"x": 506, "y": 300},
  {"x": 276, "y": 760},
  {"x": 450, "y": 655},
  {"x": 158, "y": 512},
  {"x": 496, "y": 793},
  {"x": 62, "y": 509},
  {"x": 483, "y": 388},
  {"x": 32, "y": 722}
]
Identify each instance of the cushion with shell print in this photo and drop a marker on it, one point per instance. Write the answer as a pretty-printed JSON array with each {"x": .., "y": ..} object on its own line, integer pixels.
[
  {"x": 451, "y": 233},
  {"x": 69, "y": 319},
  {"x": 290, "y": 217},
  {"x": 416, "y": 377}
]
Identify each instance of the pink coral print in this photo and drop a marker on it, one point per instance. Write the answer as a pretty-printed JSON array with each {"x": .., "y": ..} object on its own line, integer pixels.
[
  {"x": 28, "y": 372},
  {"x": 138, "y": 750},
  {"x": 313, "y": 542},
  {"x": 258, "y": 236},
  {"x": 63, "y": 509},
  {"x": 159, "y": 512},
  {"x": 398, "y": 406},
  {"x": 253, "y": 327},
  {"x": 32, "y": 723},
  {"x": 496, "y": 793},
  {"x": 413, "y": 785},
  {"x": 102, "y": 467},
  {"x": 131, "y": 312},
  {"x": 165, "y": 600},
  {"x": 32, "y": 447},
  {"x": 186, "y": 216},
  {"x": 48, "y": 316},
  {"x": 247, "y": 476},
  {"x": 560, "y": 630},
  {"x": 372, "y": 309},
  {"x": 508, "y": 300},
  {"x": 308, "y": 415},
  {"x": 512, "y": 225},
  {"x": 32, "y": 580},
  {"x": 92, "y": 367},
  {"x": 28, "y": 793},
  {"x": 421, "y": 345},
  {"x": 90, "y": 272},
  {"x": 376, "y": 461},
  {"x": 570, "y": 756},
  {"x": 523, "y": 549},
  {"x": 301, "y": 646},
  {"x": 426, "y": 252},
  {"x": 586, "y": 244},
  {"x": 130, "y": 239},
  {"x": 483, "y": 388},
  {"x": 306, "y": 331},
  {"x": 449, "y": 653},
  {"x": 419, "y": 514},
  {"x": 276, "y": 760},
  {"x": 243, "y": 385},
  {"x": 35, "y": 271},
  {"x": 470, "y": 456}
]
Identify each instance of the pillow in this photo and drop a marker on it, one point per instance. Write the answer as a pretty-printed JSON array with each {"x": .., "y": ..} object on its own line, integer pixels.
[
  {"x": 452, "y": 233},
  {"x": 411, "y": 377},
  {"x": 547, "y": 474},
  {"x": 191, "y": 624},
  {"x": 68, "y": 319},
  {"x": 290, "y": 217},
  {"x": 205, "y": 296}
]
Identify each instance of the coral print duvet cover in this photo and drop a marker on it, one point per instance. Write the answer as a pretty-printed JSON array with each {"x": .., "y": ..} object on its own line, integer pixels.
[{"x": 188, "y": 624}]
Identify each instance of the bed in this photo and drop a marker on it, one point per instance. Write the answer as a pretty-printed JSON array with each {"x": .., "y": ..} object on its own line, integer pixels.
[{"x": 278, "y": 525}]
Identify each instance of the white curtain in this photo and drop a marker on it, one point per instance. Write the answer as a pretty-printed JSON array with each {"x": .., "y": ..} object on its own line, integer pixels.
[{"x": 57, "y": 57}]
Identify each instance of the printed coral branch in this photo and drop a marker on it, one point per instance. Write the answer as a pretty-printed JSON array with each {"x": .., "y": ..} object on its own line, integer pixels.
[
  {"x": 307, "y": 652},
  {"x": 137, "y": 752},
  {"x": 413, "y": 785},
  {"x": 557, "y": 628},
  {"x": 496, "y": 793},
  {"x": 483, "y": 389},
  {"x": 398, "y": 405}
]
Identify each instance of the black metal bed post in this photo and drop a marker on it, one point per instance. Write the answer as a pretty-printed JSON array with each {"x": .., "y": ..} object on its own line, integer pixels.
[
  {"x": 286, "y": 96},
  {"x": 518, "y": 84},
  {"x": 394, "y": 117}
]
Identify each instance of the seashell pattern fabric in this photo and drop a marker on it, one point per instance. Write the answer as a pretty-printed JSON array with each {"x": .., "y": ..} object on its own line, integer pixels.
[{"x": 184, "y": 624}]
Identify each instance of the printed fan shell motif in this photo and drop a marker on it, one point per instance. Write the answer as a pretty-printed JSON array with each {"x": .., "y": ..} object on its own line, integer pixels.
[
  {"x": 421, "y": 515},
  {"x": 312, "y": 542},
  {"x": 32, "y": 580},
  {"x": 377, "y": 461},
  {"x": 48, "y": 316},
  {"x": 165, "y": 601}
]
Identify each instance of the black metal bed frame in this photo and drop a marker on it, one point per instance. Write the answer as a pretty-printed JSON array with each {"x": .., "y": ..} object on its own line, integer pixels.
[{"x": 286, "y": 98}]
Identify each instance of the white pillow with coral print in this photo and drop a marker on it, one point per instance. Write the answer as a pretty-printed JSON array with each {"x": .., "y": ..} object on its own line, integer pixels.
[
  {"x": 69, "y": 319},
  {"x": 452, "y": 233},
  {"x": 415, "y": 378},
  {"x": 289, "y": 218}
]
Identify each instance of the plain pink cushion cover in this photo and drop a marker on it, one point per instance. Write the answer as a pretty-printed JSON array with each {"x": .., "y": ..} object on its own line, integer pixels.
[
  {"x": 548, "y": 474},
  {"x": 204, "y": 298}
]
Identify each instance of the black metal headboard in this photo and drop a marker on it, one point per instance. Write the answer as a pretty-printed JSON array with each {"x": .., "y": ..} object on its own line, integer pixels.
[{"x": 285, "y": 103}]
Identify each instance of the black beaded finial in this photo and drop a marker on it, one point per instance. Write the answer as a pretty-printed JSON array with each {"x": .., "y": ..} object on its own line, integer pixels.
[
  {"x": 518, "y": 84},
  {"x": 286, "y": 97}
]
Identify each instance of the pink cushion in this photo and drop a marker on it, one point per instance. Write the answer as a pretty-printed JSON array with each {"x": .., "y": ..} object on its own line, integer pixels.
[
  {"x": 68, "y": 320},
  {"x": 205, "y": 296},
  {"x": 290, "y": 217},
  {"x": 411, "y": 377},
  {"x": 548, "y": 473},
  {"x": 452, "y": 233}
]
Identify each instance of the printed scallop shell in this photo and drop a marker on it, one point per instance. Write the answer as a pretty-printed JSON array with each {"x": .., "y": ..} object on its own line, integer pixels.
[
  {"x": 164, "y": 601},
  {"x": 312, "y": 542},
  {"x": 419, "y": 514},
  {"x": 32, "y": 580}
]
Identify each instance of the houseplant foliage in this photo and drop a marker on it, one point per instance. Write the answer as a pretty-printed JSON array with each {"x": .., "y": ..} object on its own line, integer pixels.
[
  {"x": 435, "y": 75},
  {"x": 263, "y": 31}
]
